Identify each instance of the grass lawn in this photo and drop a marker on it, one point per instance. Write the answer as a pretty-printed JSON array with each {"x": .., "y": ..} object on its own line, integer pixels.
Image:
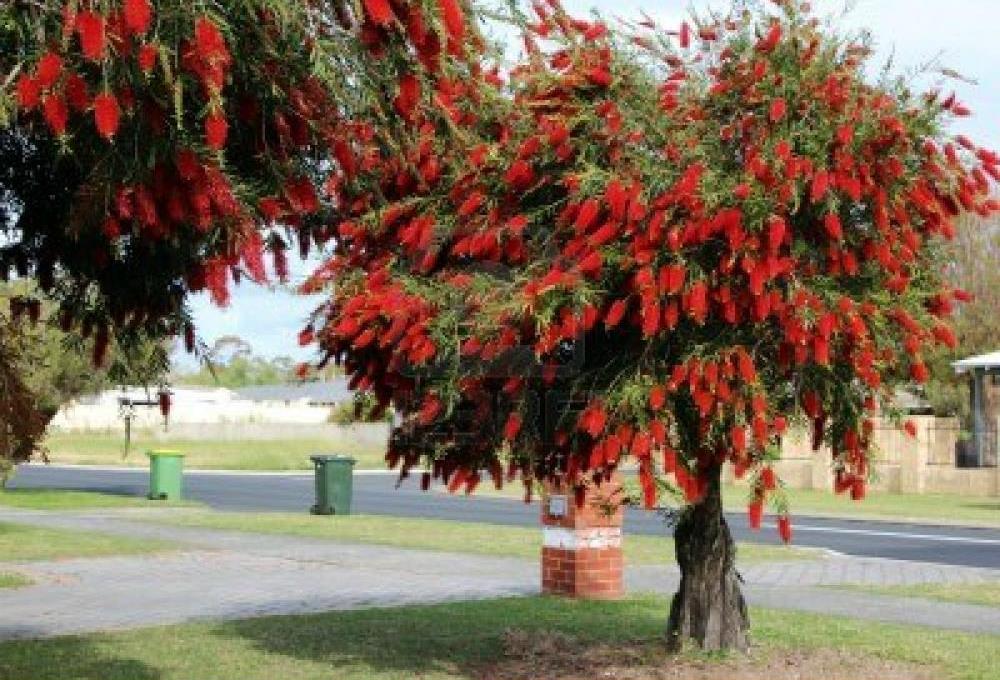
[
  {"x": 282, "y": 454},
  {"x": 23, "y": 543},
  {"x": 499, "y": 639},
  {"x": 933, "y": 508},
  {"x": 8, "y": 580},
  {"x": 64, "y": 499},
  {"x": 948, "y": 508},
  {"x": 986, "y": 593},
  {"x": 446, "y": 535}
]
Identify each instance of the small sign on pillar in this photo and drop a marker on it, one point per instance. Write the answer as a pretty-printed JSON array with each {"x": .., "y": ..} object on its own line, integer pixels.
[{"x": 582, "y": 540}]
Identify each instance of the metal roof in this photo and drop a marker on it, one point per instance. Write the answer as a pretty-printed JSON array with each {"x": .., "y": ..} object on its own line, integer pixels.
[
  {"x": 991, "y": 360},
  {"x": 329, "y": 392}
]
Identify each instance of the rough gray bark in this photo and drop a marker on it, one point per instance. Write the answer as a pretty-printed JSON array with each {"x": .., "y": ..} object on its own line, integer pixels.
[{"x": 708, "y": 608}]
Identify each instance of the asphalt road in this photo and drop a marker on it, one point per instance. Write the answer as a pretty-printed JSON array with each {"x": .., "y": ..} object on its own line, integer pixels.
[{"x": 377, "y": 494}]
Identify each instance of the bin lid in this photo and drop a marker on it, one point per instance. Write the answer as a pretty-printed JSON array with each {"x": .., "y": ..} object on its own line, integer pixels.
[
  {"x": 165, "y": 452},
  {"x": 324, "y": 458}
]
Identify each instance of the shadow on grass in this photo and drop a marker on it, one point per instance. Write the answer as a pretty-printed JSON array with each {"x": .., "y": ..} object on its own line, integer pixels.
[
  {"x": 458, "y": 639},
  {"x": 66, "y": 658},
  {"x": 134, "y": 491},
  {"x": 984, "y": 506}
]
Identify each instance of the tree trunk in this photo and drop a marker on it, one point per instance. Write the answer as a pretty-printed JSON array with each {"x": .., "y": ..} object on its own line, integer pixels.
[{"x": 708, "y": 607}]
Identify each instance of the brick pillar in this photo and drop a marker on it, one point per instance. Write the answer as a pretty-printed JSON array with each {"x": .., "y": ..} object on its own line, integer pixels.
[{"x": 582, "y": 543}]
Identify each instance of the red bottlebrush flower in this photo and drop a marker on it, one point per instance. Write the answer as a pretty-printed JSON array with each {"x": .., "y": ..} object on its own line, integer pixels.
[
  {"x": 91, "y": 28},
  {"x": 738, "y": 437},
  {"x": 698, "y": 302},
  {"x": 138, "y": 15},
  {"x": 676, "y": 275},
  {"x": 29, "y": 92},
  {"x": 833, "y": 227},
  {"x": 616, "y": 196},
  {"x": 911, "y": 428},
  {"x": 779, "y": 425},
  {"x": 669, "y": 460},
  {"x": 106, "y": 114},
  {"x": 771, "y": 40},
  {"x": 217, "y": 281},
  {"x": 306, "y": 336},
  {"x": 919, "y": 371},
  {"x": 471, "y": 204},
  {"x": 945, "y": 336},
  {"x": 48, "y": 70},
  {"x": 429, "y": 410},
  {"x": 858, "y": 489},
  {"x": 615, "y": 314},
  {"x": 657, "y": 397},
  {"x": 684, "y": 37},
  {"x": 599, "y": 76},
  {"x": 216, "y": 130},
  {"x": 755, "y": 514},
  {"x": 208, "y": 39},
  {"x": 111, "y": 228},
  {"x": 512, "y": 427},
  {"x": 820, "y": 185},
  {"x": 519, "y": 175},
  {"x": 785, "y": 528},
  {"x": 593, "y": 420},
  {"x": 280, "y": 262},
  {"x": 768, "y": 479},
  {"x": 164, "y": 401},
  {"x": 650, "y": 319},
  {"x": 147, "y": 57},
  {"x": 648, "y": 487},
  {"x": 76, "y": 92},
  {"x": 778, "y": 110},
  {"x": 591, "y": 265},
  {"x": 56, "y": 113},
  {"x": 409, "y": 96},
  {"x": 776, "y": 228},
  {"x": 746, "y": 367},
  {"x": 454, "y": 19},
  {"x": 588, "y": 214},
  {"x": 963, "y": 295}
]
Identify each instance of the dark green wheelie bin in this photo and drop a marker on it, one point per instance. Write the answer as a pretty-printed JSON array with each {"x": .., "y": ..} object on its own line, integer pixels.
[{"x": 334, "y": 484}]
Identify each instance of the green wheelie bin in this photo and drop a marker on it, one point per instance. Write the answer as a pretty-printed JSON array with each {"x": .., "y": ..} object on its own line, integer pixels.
[
  {"x": 166, "y": 470},
  {"x": 334, "y": 484}
]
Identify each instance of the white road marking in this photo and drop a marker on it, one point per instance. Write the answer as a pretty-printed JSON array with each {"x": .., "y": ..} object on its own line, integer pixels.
[{"x": 895, "y": 534}]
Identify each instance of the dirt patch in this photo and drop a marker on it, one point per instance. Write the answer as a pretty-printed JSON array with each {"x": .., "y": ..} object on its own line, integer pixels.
[{"x": 554, "y": 656}]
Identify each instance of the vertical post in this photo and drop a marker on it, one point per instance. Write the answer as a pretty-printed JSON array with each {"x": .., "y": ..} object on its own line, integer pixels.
[
  {"x": 977, "y": 408},
  {"x": 913, "y": 456},
  {"x": 582, "y": 540}
]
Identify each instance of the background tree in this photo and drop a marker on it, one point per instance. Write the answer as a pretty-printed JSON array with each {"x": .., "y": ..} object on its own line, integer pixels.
[
  {"x": 42, "y": 367},
  {"x": 231, "y": 362},
  {"x": 659, "y": 245},
  {"x": 973, "y": 264}
]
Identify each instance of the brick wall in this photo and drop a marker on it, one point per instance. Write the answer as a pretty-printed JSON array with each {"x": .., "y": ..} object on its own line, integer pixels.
[{"x": 582, "y": 541}]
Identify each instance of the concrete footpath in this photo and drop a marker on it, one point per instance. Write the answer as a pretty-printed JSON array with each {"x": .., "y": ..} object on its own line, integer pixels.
[{"x": 224, "y": 574}]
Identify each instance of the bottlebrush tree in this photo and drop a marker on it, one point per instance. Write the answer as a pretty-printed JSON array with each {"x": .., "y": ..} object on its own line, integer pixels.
[
  {"x": 150, "y": 149},
  {"x": 662, "y": 246}
]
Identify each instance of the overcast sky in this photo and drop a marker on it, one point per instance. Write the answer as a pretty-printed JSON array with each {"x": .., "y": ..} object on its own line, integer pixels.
[{"x": 960, "y": 34}]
